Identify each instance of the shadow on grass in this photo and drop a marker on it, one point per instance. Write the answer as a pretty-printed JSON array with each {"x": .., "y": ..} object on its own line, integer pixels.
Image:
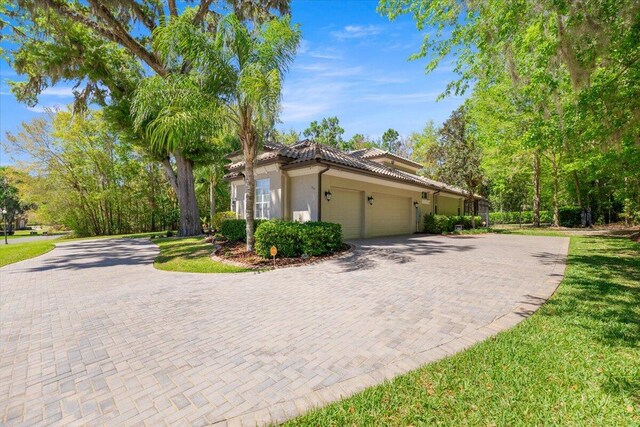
[{"x": 601, "y": 291}]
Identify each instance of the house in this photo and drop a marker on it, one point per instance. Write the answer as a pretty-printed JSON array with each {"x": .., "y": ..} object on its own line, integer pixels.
[{"x": 370, "y": 192}]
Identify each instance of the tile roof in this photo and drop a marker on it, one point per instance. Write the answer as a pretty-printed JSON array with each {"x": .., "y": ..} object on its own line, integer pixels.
[{"x": 307, "y": 151}]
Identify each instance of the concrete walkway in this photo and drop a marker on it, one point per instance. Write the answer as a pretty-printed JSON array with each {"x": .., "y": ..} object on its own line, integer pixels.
[{"x": 91, "y": 333}]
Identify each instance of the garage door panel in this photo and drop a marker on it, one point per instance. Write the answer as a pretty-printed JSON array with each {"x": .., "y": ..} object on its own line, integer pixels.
[
  {"x": 391, "y": 215},
  {"x": 345, "y": 208}
]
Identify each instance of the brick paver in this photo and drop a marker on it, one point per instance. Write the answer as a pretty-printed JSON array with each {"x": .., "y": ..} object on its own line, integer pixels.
[{"x": 91, "y": 333}]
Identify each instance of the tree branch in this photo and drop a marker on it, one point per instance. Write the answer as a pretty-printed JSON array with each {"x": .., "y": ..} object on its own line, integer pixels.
[
  {"x": 202, "y": 11},
  {"x": 126, "y": 39},
  {"x": 170, "y": 173},
  {"x": 173, "y": 10}
]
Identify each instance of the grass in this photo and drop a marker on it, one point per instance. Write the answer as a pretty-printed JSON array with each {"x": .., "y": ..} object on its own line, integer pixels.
[
  {"x": 191, "y": 255},
  {"x": 15, "y": 252},
  {"x": 575, "y": 362}
]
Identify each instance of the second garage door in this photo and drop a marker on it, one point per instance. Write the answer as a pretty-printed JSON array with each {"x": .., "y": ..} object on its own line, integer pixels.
[
  {"x": 345, "y": 208},
  {"x": 391, "y": 215}
]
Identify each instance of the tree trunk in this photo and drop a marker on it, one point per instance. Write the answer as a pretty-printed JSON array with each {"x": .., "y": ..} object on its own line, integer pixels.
[
  {"x": 577, "y": 183},
  {"x": 186, "y": 193},
  {"x": 250, "y": 189},
  {"x": 212, "y": 195},
  {"x": 536, "y": 189},
  {"x": 556, "y": 214}
]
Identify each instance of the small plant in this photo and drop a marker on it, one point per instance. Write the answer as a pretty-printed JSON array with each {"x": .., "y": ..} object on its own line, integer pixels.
[{"x": 169, "y": 233}]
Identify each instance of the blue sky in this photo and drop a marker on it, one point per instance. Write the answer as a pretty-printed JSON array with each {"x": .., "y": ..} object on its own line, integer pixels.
[{"x": 352, "y": 64}]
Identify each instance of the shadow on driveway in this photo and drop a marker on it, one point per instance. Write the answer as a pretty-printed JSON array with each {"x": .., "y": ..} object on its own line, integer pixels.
[
  {"x": 399, "y": 250},
  {"x": 99, "y": 253}
]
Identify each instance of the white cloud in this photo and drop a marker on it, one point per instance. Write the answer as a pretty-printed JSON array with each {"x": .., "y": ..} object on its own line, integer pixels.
[
  {"x": 404, "y": 98},
  {"x": 58, "y": 91},
  {"x": 357, "y": 31}
]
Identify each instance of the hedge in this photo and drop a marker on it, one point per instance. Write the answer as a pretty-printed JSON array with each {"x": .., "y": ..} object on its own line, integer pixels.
[
  {"x": 569, "y": 216},
  {"x": 294, "y": 238},
  {"x": 235, "y": 230},
  {"x": 438, "y": 224},
  {"x": 219, "y": 217},
  {"x": 524, "y": 217}
]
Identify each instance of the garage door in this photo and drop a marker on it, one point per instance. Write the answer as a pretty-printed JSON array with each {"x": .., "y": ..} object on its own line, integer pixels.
[
  {"x": 345, "y": 208},
  {"x": 391, "y": 215}
]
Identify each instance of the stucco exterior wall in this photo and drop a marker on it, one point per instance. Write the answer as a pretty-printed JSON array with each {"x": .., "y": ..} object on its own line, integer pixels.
[
  {"x": 275, "y": 183},
  {"x": 448, "y": 205},
  {"x": 303, "y": 200}
]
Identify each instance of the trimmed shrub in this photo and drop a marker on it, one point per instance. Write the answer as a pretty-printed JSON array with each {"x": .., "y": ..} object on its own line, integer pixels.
[
  {"x": 438, "y": 224},
  {"x": 235, "y": 230},
  {"x": 570, "y": 216},
  {"x": 524, "y": 217},
  {"x": 319, "y": 238},
  {"x": 286, "y": 236},
  {"x": 216, "y": 221},
  {"x": 294, "y": 238}
]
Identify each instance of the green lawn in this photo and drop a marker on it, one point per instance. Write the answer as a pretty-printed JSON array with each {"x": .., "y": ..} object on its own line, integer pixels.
[
  {"x": 15, "y": 252},
  {"x": 189, "y": 255},
  {"x": 575, "y": 362}
]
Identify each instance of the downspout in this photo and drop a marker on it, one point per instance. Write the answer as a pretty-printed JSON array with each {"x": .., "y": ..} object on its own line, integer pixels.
[{"x": 320, "y": 191}]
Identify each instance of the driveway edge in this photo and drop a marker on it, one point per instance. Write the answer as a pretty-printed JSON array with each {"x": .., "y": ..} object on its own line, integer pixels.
[{"x": 281, "y": 412}]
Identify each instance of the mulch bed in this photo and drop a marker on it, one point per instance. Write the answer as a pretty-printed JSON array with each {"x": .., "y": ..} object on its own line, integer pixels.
[{"x": 236, "y": 254}]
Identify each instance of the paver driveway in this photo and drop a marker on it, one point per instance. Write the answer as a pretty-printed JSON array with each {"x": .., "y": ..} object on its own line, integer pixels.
[{"x": 92, "y": 333}]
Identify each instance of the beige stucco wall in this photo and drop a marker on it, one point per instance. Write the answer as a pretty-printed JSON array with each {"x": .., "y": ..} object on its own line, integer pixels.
[
  {"x": 276, "y": 202},
  {"x": 448, "y": 204},
  {"x": 303, "y": 200}
]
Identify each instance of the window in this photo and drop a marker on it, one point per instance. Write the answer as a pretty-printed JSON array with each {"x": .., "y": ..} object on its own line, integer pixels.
[
  {"x": 425, "y": 195},
  {"x": 263, "y": 198}
]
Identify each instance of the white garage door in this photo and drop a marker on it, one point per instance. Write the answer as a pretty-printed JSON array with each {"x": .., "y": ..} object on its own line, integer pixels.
[
  {"x": 345, "y": 208},
  {"x": 391, "y": 215}
]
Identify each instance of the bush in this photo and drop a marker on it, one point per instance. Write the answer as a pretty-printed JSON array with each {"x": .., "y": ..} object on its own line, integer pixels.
[
  {"x": 524, "y": 217},
  {"x": 438, "y": 224},
  {"x": 216, "y": 221},
  {"x": 169, "y": 233},
  {"x": 570, "y": 216},
  {"x": 294, "y": 239},
  {"x": 235, "y": 230},
  {"x": 286, "y": 236},
  {"x": 319, "y": 238}
]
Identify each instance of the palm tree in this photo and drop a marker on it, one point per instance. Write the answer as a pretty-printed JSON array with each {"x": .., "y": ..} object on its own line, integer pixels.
[
  {"x": 230, "y": 76},
  {"x": 259, "y": 57}
]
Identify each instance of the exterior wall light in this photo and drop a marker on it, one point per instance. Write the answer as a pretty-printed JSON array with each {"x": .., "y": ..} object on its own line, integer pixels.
[
  {"x": 327, "y": 195},
  {"x": 416, "y": 204},
  {"x": 370, "y": 200}
]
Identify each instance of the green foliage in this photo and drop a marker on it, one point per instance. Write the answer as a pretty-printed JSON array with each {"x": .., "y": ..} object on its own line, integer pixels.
[
  {"x": 284, "y": 235},
  {"x": 570, "y": 216},
  {"x": 219, "y": 217},
  {"x": 328, "y": 132},
  {"x": 294, "y": 238},
  {"x": 87, "y": 179},
  {"x": 319, "y": 238},
  {"x": 517, "y": 217},
  {"x": 438, "y": 224},
  {"x": 391, "y": 141},
  {"x": 235, "y": 230},
  {"x": 10, "y": 199}
]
